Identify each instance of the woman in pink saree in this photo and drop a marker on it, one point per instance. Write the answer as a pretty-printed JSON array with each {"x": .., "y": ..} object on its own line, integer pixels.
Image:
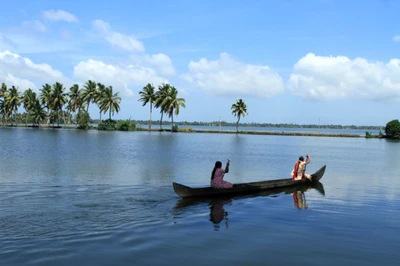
[{"x": 217, "y": 176}]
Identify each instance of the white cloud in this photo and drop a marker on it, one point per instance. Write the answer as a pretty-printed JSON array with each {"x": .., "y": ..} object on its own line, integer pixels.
[
  {"x": 396, "y": 38},
  {"x": 29, "y": 73},
  {"x": 34, "y": 25},
  {"x": 60, "y": 15},
  {"x": 320, "y": 77},
  {"x": 20, "y": 83},
  {"x": 120, "y": 77},
  {"x": 162, "y": 63},
  {"x": 117, "y": 39},
  {"x": 227, "y": 76}
]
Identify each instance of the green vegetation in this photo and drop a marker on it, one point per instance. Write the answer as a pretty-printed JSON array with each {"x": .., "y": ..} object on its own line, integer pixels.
[
  {"x": 83, "y": 119},
  {"x": 168, "y": 102},
  {"x": 392, "y": 129},
  {"x": 239, "y": 109},
  {"x": 108, "y": 124},
  {"x": 126, "y": 125},
  {"x": 148, "y": 95},
  {"x": 54, "y": 104}
]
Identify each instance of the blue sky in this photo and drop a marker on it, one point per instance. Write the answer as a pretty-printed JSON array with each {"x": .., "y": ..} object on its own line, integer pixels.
[{"x": 291, "y": 61}]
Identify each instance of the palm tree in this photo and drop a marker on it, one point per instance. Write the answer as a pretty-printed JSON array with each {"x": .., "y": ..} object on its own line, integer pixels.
[
  {"x": 14, "y": 99},
  {"x": 3, "y": 90},
  {"x": 161, "y": 94},
  {"x": 3, "y": 93},
  {"x": 148, "y": 95},
  {"x": 5, "y": 110},
  {"x": 75, "y": 99},
  {"x": 99, "y": 95},
  {"x": 110, "y": 102},
  {"x": 171, "y": 103},
  {"x": 239, "y": 109},
  {"x": 89, "y": 93},
  {"x": 28, "y": 101},
  {"x": 37, "y": 112},
  {"x": 58, "y": 100},
  {"x": 46, "y": 99}
]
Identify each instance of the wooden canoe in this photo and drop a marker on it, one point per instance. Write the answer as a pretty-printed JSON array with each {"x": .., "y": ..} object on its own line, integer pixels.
[{"x": 185, "y": 191}]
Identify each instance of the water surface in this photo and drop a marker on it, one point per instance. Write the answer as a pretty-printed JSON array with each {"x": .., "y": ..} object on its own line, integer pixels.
[{"x": 70, "y": 197}]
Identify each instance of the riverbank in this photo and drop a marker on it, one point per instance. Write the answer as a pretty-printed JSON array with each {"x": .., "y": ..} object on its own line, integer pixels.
[
  {"x": 213, "y": 131},
  {"x": 267, "y": 133}
]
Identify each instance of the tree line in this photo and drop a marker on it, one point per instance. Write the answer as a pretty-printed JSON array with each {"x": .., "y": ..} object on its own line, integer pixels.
[
  {"x": 54, "y": 103},
  {"x": 166, "y": 99}
]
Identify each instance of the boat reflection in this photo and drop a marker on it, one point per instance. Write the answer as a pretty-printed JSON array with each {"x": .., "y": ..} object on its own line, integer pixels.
[{"x": 216, "y": 205}]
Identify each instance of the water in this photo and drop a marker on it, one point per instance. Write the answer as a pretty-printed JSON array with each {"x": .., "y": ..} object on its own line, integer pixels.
[
  {"x": 360, "y": 132},
  {"x": 70, "y": 197}
]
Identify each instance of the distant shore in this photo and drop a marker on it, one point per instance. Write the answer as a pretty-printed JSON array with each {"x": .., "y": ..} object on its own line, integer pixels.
[
  {"x": 267, "y": 133},
  {"x": 212, "y": 131}
]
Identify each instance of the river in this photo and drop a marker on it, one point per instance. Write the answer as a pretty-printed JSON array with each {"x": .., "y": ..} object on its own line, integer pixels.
[{"x": 71, "y": 197}]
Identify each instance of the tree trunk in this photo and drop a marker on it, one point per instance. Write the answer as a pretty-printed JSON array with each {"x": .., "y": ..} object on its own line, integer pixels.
[
  {"x": 161, "y": 121},
  {"x": 237, "y": 125},
  {"x": 172, "y": 122},
  {"x": 110, "y": 113},
  {"x": 48, "y": 117},
  {"x": 151, "y": 111}
]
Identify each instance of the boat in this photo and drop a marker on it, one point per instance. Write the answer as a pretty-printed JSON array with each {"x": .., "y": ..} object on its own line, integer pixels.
[
  {"x": 241, "y": 188},
  {"x": 273, "y": 192}
]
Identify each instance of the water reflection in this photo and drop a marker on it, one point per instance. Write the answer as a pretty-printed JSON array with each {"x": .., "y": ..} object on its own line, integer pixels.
[
  {"x": 219, "y": 215},
  {"x": 299, "y": 199}
]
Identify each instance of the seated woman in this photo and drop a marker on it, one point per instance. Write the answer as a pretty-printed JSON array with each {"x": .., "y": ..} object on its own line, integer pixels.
[{"x": 217, "y": 176}]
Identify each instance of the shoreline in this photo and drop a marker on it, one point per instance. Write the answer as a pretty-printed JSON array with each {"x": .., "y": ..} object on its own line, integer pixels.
[{"x": 210, "y": 131}]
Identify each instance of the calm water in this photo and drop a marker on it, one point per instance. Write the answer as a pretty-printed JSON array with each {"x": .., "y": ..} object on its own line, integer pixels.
[{"x": 71, "y": 197}]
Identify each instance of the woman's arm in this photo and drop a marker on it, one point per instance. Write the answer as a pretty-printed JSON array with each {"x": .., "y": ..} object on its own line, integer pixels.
[
  {"x": 227, "y": 167},
  {"x": 308, "y": 159}
]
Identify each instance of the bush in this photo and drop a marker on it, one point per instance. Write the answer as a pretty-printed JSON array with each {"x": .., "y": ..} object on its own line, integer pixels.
[
  {"x": 392, "y": 129},
  {"x": 175, "y": 128},
  {"x": 368, "y": 135},
  {"x": 185, "y": 129},
  {"x": 126, "y": 126},
  {"x": 83, "y": 119},
  {"x": 108, "y": 124}
]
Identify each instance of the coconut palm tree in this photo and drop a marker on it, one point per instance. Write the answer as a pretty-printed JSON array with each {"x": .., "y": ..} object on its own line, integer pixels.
[
  {"x": 45, "y": 97},
  {"x": 3, "y": 90},
  {"x": 100, "y": 93},
  {"x": 239, "y": 109},
  {"x": 5, "y": 110},
  {"x": 161, "y": 95},
  {"x": 37, "y": 112},
  {"x": 89, "y": 93},
  {"x": 148, "y": 95},
  {"x": 172, "y": 103},
  {"x": 3, "y": 93},
  {"x": 75, "y": 99},
  {"x": 14, "y": 99},
  {"x": 58, "y": 100},
  {"x": 110, "y": 102},
  {"x": 28, "y": 101}
]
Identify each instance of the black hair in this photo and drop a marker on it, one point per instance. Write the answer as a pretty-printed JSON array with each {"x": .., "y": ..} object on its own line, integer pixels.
[
  {"x": 218, "y": 164},
  {"x": 301, "y": 158}
]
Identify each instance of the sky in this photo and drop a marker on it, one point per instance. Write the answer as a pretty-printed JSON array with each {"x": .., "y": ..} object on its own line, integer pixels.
[{"x": 291, "y": 61}]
